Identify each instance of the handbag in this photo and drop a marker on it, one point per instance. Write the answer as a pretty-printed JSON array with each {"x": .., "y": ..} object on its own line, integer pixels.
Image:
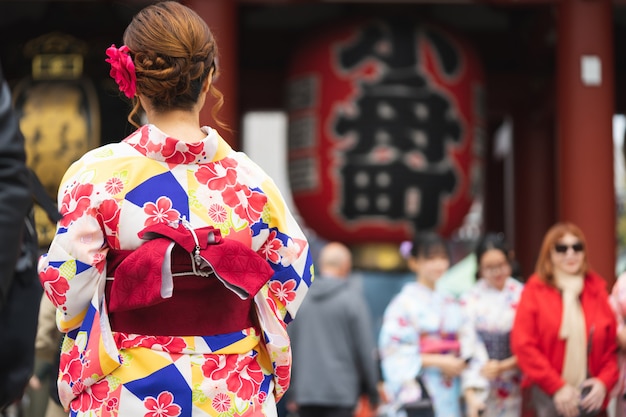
[
  {"x": 544, "y": 404},
  {"x": 422, "y": 407}
]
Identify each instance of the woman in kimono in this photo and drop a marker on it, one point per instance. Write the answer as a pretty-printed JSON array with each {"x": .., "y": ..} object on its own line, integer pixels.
[
  {"x": 421, "y": 334},
  {"x": 490, "y": 305},
  {"x": 617, "y": 299},
  {"x": 177, "y": 264}
]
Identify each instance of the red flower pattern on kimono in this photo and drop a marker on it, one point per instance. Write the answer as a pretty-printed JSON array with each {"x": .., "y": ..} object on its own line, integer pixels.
[
  {"x": 218, "y": 175},
  {"x": 75, "y": 203},
  {"x": 112, "y": 404},
  {"x": 114, "y": 185},
  {"x": 283, "y": 373},
  {"x": 92, "y": 397},
  {"x": 221, "y": 403},
  {"x": 147, "y": 146},
  {"x": 179, "y": 152},
  {"x": 161, "y": 212},
  {"x": 284, "y": 291},
  {"x": 246, "y": 203},
  {"x": 164, "y": 343},
  {"x": 98, "y": 261},
  {"x": 218, "y": 367},
  {"x": 218, "y": 213},
  {"x": 271, "y": 247},
  {"x": 262, "y": 396},
  {"x": 55, "y": 286},
  {"x": 162, "y": 406},
  {"x": 246, "y": 379},
  {"x": 271, "y": 303},
  {"x": 127, "y": 340},
  {"x": 70, "y": 365},
  {"x": 170, "y": 344},
  {"x": 109, "y": 217}
]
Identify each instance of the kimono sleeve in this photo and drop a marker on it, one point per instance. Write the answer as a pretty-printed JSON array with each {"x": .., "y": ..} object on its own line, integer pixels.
[
  {"x": 283, "y": 244},
  {"x": 472, "y": 347},
  {"x": 398, "y": 344},
  {"x": 605, "y": 347},
  {"x": 617, "y": 300},
  {"x": 75, "y": 263}
]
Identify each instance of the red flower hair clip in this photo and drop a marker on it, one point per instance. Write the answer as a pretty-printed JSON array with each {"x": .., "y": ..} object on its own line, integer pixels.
[{"x": 122, "y": 69}]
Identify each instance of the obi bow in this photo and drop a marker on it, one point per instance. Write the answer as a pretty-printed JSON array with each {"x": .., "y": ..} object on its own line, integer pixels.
[{"x": 145, "y": 276}]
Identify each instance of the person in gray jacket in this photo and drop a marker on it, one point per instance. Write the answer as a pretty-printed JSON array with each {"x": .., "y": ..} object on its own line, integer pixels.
[{"x": 334, "y": 360}]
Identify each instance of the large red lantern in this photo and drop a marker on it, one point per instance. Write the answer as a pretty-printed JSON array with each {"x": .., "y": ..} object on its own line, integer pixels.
[{"x": 385, "y": 127}]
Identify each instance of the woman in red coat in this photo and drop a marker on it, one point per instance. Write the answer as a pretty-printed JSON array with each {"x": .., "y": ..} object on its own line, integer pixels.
[{"x": 564, "y": 330}]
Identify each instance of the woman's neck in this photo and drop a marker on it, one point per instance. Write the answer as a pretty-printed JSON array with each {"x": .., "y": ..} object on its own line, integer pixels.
[
  {"x": 564, "y": 275},
  {"x": 180, "y": 124},
  {"x": 426, "y": 283},
  {"x": 498, "y": 287}
]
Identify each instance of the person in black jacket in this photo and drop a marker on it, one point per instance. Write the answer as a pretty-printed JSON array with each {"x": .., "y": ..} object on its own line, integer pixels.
[{"x": 20, "y": 290}]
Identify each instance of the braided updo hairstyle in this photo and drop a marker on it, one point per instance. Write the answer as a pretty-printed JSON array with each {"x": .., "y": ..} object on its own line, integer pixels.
[{"x": 174, "y": 51}]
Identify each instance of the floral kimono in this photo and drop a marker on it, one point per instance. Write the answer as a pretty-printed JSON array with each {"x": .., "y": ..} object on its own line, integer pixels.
[
  {"x": 149, "y": 181},
  {"x": 419, "y": 320},
  {"x": 617, "y": 299},
  {"x": 492, "y": 313}
]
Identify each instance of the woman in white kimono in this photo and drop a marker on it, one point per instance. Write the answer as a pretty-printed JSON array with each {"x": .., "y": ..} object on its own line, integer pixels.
[
  {"x": 490, "y": 305},
  {"x": 617, "y": 299},
  {"x": 424, "y": 336}
]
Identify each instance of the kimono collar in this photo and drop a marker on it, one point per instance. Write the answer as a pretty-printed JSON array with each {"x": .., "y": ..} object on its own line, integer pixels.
[{"x": 156, "y": 144}]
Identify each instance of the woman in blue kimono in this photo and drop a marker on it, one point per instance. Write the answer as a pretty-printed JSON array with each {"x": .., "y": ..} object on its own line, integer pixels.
[{"x": 421, "y": 335}]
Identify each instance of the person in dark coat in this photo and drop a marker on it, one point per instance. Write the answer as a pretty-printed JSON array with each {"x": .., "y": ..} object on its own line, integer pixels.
[{"x": 20, "y": 290}]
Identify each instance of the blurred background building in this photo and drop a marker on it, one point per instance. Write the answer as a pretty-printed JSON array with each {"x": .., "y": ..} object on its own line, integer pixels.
[{"x": 377, "y": 118}]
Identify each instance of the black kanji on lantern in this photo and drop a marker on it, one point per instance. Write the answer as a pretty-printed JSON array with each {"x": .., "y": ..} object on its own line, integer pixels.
[{"x": 398, "y": 167}]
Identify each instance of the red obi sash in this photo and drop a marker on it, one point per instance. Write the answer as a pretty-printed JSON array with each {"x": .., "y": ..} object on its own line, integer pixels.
[{"x": 184, "y": 282}]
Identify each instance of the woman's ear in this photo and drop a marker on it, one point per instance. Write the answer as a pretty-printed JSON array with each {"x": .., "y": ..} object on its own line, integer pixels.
[
  {"x": 143, "y": 102},
  {"x": 207, "y": 83},
  {"x": 413, "y": 263}
]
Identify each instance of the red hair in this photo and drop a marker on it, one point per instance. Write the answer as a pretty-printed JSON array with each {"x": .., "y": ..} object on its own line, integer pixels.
[{"x": 544, "y": 267}]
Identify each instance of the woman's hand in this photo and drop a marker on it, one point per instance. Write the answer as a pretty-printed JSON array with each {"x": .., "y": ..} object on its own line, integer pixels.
[
  {"x": 452, "y": 366},
  {"x": 34, "y": 382},
  {"x": 566, "y": 401},
  {"x": 492, "y": 369},
  {"x": 292, "y": 407},
  {"x": 473, "y": 403},
  {"x": 594, "y": 399},
  {"x": 621, "y": 337}
]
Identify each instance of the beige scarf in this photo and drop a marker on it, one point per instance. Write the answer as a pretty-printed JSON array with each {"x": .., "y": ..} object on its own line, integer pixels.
[{"x": 573, "y": 329}]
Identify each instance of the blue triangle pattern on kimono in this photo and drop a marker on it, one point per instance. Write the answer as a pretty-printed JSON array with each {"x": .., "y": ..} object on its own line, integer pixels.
[
  {"x": 167, "y": 379},
  {"x": 80, "y": 266},
  {"x": 150, "y": 190},
  {"x": 221, "y": 341}
]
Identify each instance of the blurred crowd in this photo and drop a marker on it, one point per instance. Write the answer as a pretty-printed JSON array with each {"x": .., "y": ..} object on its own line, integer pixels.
[{"x": 546, "y": 345}]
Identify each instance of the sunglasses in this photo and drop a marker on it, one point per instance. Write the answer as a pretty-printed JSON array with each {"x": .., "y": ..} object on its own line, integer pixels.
[{"x": 576, "y": 247}]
